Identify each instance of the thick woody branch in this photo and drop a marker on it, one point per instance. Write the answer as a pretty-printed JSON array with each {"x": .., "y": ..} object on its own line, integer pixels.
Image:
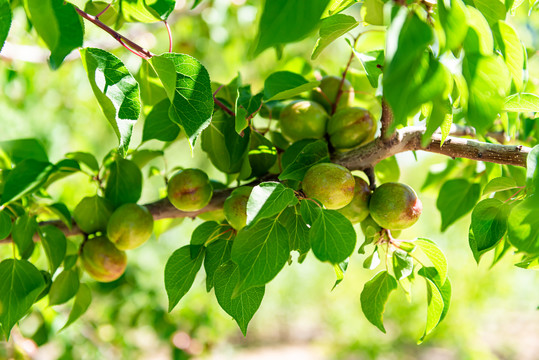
[{"x": 362, "y": 158}]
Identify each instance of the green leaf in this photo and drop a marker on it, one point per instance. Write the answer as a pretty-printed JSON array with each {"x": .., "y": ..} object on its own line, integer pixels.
[
  {"x": 260, "y": 251},
  {"x": 5, "y": 224},
  {"x": 142, "y": 157},
  {"x": 310, "y": 154},
  {"x": 340, "y": 270},
  {"x": 268, "y": 199},
  {"x": 489, "y": 223},
  {"x": 147, "y": 11},
  {"x": 493, "y": 10},
  {"x": 438, "y": 299},
  {"x": 500, "y": 184},
  {"x": 440, "y": 115},
  {"x": 435, "y": 255},
  {"x": 55, "y": 244},
  {"x": 387, "y": 170},
  {"x": 512, "y": 50},
  {"x": 532, "y": 175},
  {"x": 83, "y": 299},
  {"x": 158, "y": 125},
  {"x": 180, "y": 273},
  {"x": 374, "y": 297},
  {"x": 5, "y": 21},
  {"x": 92, "y": 214},
  {"x": 453, "y": 20},
  {"x": 373, "y": 62},
  {"x": 23, "y": 235},
  {"x": 287, "y": 21},
  {"x": 116, "y": 90},
  {"x": 479, "y": 37},
  {"x": 20, "y": 288},
  {"x": 298, "y": 232},
  {"x": 241, "y": 307},
  {"x": 457, "y": 197},
  {"x": 226, "y": 149},
  {"x": 332, "y": 237},
  {"x": 283, "y": 85},
  {"x": 64, "y": 287},
  {"x": 151, "y": 88},
  {"x": 523, "y": 226},
  {"x": 217, "y": 253},
  {"x": 22, "y": 149},
  {"x": 247, "y": 105},
  {"x": 340, "y": 5},
  {"x": 124, "y": 184},
  {"x": 403, "y": 264},
  {"x": 332, "y": 28},
  {"x": 58, "y": 24},
  {"x": 372, "y": 12},
  {"x": 522, "y": 102},
  {"x": 188, "y": 87},
  {"x": 372, "y": 261},
  {"x": 61, "y": 210},
  {"x": 26, "y": 177},
  {"x": 310, "y": 211},
  {"x": 205, "y": 232},
  {"x": 531, "y": 263},
  {"x": 84, "y": 158}
]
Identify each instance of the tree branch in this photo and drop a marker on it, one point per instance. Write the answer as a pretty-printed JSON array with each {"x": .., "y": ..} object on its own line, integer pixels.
[
  {"x": 361, "y": 158},
  {"x": 385, "y": 120},
  {"x": 134, "y": 47}
]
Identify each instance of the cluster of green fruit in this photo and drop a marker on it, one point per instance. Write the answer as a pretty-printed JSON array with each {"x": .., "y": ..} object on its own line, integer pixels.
[
  {"x": 393, "y": 206},
  {"x": 329, "y": 111},
  {"x": 111, "y": 232}
]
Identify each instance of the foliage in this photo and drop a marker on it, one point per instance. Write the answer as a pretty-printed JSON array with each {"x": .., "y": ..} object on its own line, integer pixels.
[{"x": 453, "y": 67}]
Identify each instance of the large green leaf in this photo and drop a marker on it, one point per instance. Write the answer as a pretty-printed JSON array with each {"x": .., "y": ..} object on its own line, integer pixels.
[
  {"x": 512, "y": 50},
  {"x": 188, "y": 87},
  {"x": 64, "y": 287},
  {"x": 457, "y": 197},
  {"x": 298, "y": 231},
  {"x": 180, "y": 273},
  {"x": 435, "y": 255},
  {"x": 489, "y": 223},
  {"x": 523, "y": 226},
  {"x": 374, "y": 297},
  {"x": 438, "y": 299},
  {"x": 217, "y": 253},
  {"x": 158, "y": 125},
  {"x": 479, "y": 37},
  {"x": 241, "y": 307},
  {"x": 332, "y": 237},
  {"x": 55, "y": 244},
  {"x": 287, "y": 21},
  {"x": 301, "y": 156},
  {"x": 5, "y": 21},
  {"x": 522, "y": 102},
  {"x": 260, "y": 251},
  {"x": 21, "y": 149},
  {"x": 5, "y": 224},
  {"x": 26, "y": 177},
  {"x": 488, "y": 84},
  {"x": 204, "y": 233},
  {"x": 81, "y": 304},
  {"x": 285, "y": 84},
  {"x": 23, "y": 235},
  {"x": 20, "y": 287},
  {"x": 453, "y": 20},
  {"x": 116, "y": 90},
  {"x": 124, "y": 184},
  {"x": 58, "y": 24},
  {"x": 331, "y": 29},
  {"x": 493, "y": 10},
  {"x": 500, "y": 184},
  {"x": 268, "y": 199}
]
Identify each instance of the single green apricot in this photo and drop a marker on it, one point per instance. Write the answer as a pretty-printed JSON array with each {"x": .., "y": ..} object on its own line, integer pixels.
[
  {"x": 331, "y": 184},
  {"x": 235, "y": 207},
  {"x": 102, "y": 260},
  {"x": 395, "y": 206},
  {"x": 358, "y": 209},
  {"x": 326, "y": 93},
  {"x": 92, "y": 214},
  {"x": 130, "y": 226},
  {"x": 303, "y": 119},
  {"x": 189, "y": 190},
  {"x": 351, "y": 127}
]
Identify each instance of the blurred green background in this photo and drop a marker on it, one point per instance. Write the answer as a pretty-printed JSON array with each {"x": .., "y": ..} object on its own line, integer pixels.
[{"x": 493, "y": 311}]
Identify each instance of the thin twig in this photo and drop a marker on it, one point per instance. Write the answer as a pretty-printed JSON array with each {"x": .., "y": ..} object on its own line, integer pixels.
[
  {"x": 220, "y": 104},
  {"x": 169, "y": 36}
]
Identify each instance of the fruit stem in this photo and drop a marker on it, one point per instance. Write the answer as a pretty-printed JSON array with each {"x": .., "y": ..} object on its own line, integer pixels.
[
  {"x": 220, "y": 104},
  {"x": 339, "y": 91}
]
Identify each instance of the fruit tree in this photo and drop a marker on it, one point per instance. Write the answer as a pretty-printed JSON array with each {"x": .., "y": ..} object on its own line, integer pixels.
[{"x": 302, "y": 162}]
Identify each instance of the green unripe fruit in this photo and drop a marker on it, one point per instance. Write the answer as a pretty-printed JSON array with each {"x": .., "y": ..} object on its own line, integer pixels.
[
  {"x": 395, "y": 206},
  {"x": 351, "y": 127},
  {"x": 272, "y": 109},
  {"x": 235, "y": 207},
  {"x": 303, "y": 120},
  {"x": 358, "y": 209},
  {"x": 130, "y": 226},
  {"x": 92, "y": 214},
  {"x": 326, "y": 93},
  {"x": 102, "y": 260},
  {"x": 329, "y": 183},
  {"x": 189, "y": 190}
]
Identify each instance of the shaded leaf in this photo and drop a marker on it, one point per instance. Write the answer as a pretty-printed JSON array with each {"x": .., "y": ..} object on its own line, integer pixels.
[
  {"x": 83, "y": 299},
  {"x": 332, "y": 237},
  {"x": 331, "y": 28},
  {"x": 457, "y": 197},
  {"x": 435, "y": 255},
  {"x": 268, "y": 199},
  {"x": 158, "y": 125},
  {"x": 55, "y": 244},
  {"x": 285, "y": 84},
  {"x": 64, "y": 287},
  {"x": 374, "y": 297},
  {"x": 124, "y": 184},
  {"x": 180, "y": 273}
]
